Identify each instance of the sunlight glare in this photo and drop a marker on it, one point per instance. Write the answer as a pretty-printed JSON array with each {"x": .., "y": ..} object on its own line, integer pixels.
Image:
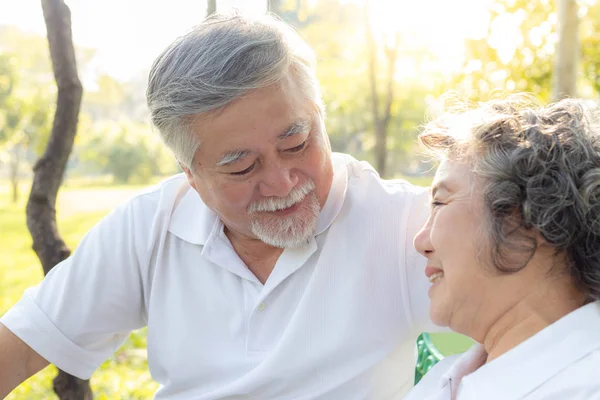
[{"x": 435, "y": 27}]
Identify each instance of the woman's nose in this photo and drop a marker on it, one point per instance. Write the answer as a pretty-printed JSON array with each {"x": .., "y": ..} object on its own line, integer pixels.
[{"x": 422, "y": 240}]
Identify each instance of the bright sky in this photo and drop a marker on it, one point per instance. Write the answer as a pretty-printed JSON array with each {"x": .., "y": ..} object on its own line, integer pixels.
[{"x": 129, "y": 34}]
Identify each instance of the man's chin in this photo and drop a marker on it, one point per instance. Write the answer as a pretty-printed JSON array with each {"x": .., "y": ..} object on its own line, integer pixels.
[
  {"x": 284, "y": 240},
  {"x": 290, "y": 231},
  {"x": 284, "y": 237}
]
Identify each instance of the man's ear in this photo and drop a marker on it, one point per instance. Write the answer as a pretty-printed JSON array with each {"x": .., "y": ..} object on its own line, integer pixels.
[{"x": 188, "y": 175}]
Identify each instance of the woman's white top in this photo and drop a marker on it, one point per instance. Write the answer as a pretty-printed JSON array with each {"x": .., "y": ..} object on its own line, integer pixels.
[{"x": 561, "y": 362}]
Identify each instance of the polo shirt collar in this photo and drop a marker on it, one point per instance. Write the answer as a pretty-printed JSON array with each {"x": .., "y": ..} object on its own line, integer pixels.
[
  {"x": 522, "y": 369},
  {"x": 336, "y": 196},
  {"x": 190, "y": 219},
  {"x": 193, "y": 221}
]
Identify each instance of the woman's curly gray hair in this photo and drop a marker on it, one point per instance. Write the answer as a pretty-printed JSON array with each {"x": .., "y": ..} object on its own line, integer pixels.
[{"x": 541, "y": 174}]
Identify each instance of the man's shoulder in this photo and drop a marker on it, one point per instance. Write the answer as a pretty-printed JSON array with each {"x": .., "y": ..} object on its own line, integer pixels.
[
  {"x": 160, "y": 193},
  {"x": 166, "y": 185},
  {"x": 156, "y": 201}
]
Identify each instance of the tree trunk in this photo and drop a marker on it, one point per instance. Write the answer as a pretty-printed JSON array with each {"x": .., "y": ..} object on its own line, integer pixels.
[
  {"x": 211, "y": 7},
  {"x": 15, "y": 160},
  {"x": 372, "y": 71},
  {"x": 567, "y": 50},
  {"x": 274, "y": 6},
  {"x": 49, "y": 169},
  {"x": 381, "y": 118}
]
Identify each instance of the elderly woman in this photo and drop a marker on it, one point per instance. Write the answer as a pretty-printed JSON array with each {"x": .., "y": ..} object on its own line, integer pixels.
[{"x": 513, "y": 249}]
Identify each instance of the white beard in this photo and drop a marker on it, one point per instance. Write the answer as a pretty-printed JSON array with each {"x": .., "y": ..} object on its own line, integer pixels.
[{"x": 290, "y": 231}]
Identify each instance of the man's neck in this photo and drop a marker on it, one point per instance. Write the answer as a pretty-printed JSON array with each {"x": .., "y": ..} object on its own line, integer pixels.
[
  {"x": 259, "y": 257},
  {"x": 529, "y": 316}
]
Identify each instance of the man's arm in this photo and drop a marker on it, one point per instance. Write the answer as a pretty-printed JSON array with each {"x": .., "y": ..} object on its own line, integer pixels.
[{"x": 18, "y": 361}]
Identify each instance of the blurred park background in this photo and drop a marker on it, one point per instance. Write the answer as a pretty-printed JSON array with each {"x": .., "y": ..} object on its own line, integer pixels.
[{"x": 382, "y": 65}]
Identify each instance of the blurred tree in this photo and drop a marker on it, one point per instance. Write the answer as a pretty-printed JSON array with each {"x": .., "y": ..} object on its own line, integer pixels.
[
  {"x": 274, "y": 6},
  {"x": 32, "y": 54},
  {"x": 28, "y": 128},
  {"x": 111, "y": 99},
  {"x": 100, "y": 103},
  {"x": 211, "y": 7},
  {"x": 382, "y": 113},
  {"x": 11, "y": 134},
  {"x": 124, "y": 159},
  {"x": 299, "y": 13},
  {"x": 529, "y": 45},
  {"x": 516, "y": 54},
  {"x": 31, "y": 101},
  {"x": 24, "y": 121},
  {"x": 124, "y": 150},
  {"x": 50, "y": 168},
  {"x": 330, "y": 27},
  {"x": 31, "y": 51},
  {"x": 590, "y": 46},
  {"x": 335, "y": 30},
  {"x": 567, "y": 50}
]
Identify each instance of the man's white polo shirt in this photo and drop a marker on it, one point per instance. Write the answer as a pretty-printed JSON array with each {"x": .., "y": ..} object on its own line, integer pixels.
[
  {"x": 561, "y": 362},
  {"x": 337, "y": 318}
]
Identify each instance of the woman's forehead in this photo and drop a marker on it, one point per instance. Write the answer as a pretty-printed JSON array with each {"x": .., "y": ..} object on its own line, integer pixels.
[{"x": 452, "y": 176}]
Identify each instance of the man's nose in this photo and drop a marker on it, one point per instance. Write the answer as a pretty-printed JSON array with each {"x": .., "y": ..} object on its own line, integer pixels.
[{"x": 278, "y": 180}]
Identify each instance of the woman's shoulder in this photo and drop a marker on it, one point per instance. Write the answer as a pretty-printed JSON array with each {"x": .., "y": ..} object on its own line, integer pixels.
[
  {"x": 434, "y": 380},
  {"x": 441, "y": 368},
  {"x": 580, "y": 380},
  {"x": 444, "y": 378}
]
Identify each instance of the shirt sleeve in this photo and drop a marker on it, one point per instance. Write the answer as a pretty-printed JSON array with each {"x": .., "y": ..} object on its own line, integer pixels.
[
  {"x": 417, "y": 283},
  {"x": 87, "y": 305}
]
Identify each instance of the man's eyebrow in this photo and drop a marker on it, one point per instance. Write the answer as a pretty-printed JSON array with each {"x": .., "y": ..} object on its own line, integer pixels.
[
  {"x": 232, "y": 157},
  {"x": 296, "y": 127}
]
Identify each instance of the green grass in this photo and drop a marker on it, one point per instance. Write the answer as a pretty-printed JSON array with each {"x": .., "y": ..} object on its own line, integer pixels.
[
  {"x": 451, "y": 343},
  {"x": 124, "y": 375}
]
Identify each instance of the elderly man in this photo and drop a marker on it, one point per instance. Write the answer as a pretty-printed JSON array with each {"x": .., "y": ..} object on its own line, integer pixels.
[{"x": 270, "y": 269}]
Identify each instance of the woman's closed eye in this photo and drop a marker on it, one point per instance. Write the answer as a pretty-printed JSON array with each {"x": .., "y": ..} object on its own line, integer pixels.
[{"x": 436, "y": 203}]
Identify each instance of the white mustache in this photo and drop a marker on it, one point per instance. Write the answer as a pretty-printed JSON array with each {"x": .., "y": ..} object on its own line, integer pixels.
[{"x": 280, "y": 203}]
